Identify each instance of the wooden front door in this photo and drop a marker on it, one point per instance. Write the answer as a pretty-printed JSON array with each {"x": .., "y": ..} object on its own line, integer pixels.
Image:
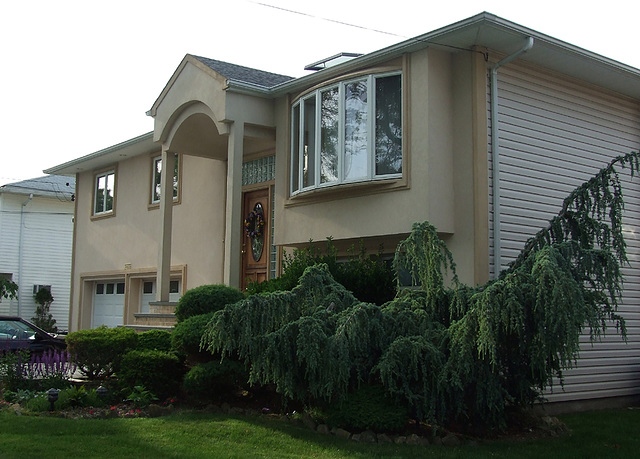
[{"x": 255, "y": 242}]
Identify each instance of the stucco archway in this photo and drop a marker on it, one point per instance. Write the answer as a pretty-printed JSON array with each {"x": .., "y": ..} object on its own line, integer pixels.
[{"x": 193, "y": 130}]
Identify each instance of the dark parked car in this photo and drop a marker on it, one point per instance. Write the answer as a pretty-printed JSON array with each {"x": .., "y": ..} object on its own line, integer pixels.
[{"x": 17, "y": 333}]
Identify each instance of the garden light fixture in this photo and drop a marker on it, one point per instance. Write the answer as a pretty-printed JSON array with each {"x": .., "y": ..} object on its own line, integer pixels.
[{"x": 52, "y": 396}]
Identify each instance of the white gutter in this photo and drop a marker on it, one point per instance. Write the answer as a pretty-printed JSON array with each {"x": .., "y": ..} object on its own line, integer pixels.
[
  {"x": 495, "y": 155},
  {"x": 20, "y": 244}
]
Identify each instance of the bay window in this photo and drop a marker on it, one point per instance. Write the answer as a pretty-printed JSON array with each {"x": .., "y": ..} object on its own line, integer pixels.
[{"x": 347, "y": 132}]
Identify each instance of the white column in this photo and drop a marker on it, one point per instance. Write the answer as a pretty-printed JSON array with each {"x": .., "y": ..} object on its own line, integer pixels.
[
  {"x": 233, "y": 219},
  {"x": 166, "y": 215}
]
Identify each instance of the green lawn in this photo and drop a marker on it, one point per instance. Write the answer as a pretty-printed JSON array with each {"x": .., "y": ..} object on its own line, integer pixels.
[{"x": 596, "y": 434}]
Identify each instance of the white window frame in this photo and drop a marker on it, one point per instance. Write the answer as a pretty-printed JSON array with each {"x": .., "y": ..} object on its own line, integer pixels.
[
  {"x": 371, "y": 132},
  {"x": 155, "y": 199},
  {"x": 98, "y": 176}
]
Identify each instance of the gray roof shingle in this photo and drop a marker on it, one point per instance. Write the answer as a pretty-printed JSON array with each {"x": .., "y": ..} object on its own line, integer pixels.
[
  {"x": 49, "y": 185},
  {"x": 245, "y": 74}
]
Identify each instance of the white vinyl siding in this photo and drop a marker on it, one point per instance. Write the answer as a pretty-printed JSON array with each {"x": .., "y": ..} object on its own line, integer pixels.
[
  {"x": 554, "y": 135},
  {"x": 47, "y": 232}
]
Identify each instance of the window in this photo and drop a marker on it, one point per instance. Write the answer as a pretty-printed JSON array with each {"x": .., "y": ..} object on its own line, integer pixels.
[
  {"x": 38, "y": 287},
  {"x": 157, "y": 179},
  {"x": 347, "y": 132},
  {"x": 147, "y": 287},
  {"x": 104, "y": 193},
  {"x": 174, "y": 286},
  {"x": 110, "y": 288}
]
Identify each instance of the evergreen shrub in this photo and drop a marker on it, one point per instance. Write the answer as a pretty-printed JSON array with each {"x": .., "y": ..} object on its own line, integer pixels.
[
  {"x": 207, "y": 381},
  {"x": 159, "y": 340},
  {"x": 450, "y": 352},
  {"x": 98, "y": 351},
  {"x": 187, "y": 334},
  {"x": 369, "y": 278},
  {"x": 206, "y": 299},
  {"x": 368, "y": 407},
  {"x": 43, "y": 317},
  {"x": 157, "y": 371}
]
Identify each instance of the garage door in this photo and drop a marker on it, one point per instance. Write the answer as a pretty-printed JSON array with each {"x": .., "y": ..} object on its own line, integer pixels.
[{"x": 108, "y": 304}]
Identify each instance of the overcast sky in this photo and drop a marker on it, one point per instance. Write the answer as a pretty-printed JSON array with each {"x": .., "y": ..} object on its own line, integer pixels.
[{"x": 78, "y": 76}]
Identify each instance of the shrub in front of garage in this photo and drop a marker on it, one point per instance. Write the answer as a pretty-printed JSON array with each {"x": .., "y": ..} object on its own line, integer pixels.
[
  {"x": 99, "y": 351},
  {"x": 158, "y": 372},
  {"x": 159, "y": 340}
]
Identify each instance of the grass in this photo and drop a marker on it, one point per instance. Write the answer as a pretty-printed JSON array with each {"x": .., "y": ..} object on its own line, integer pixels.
[{"x": 193, "y": 435}]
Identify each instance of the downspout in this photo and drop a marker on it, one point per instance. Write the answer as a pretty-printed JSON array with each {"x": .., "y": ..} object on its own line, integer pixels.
[
  {"x": 495, "y": 154},
  {"x": 20, "y": 246}
]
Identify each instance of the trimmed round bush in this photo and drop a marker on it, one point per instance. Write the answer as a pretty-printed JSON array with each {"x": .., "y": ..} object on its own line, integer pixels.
[
  {"x": 98, "y": 351},
  {"x": 206, "y": 299},
  {"x": 157, "y": 371},
  {"x": 159, "y": 340},
  {"x": 187, "y": 334},
  {"x": 208, "y": 381},
  {"x": 369, "y": 407}
]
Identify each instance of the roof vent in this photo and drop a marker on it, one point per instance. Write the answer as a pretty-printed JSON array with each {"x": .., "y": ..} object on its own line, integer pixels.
[{"x": 331, "y": 61}]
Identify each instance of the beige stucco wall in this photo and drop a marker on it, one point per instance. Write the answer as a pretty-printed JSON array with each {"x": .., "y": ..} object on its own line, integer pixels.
[
  {"x": 103, "y": 246},
  {"x": 444, "y": 180},
  {"x": 438, "y": 181},
  {"x": 469, "y": 241}
]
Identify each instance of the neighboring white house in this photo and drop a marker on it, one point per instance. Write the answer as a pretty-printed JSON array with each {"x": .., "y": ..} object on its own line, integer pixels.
[{"x": 36, "y": 233}]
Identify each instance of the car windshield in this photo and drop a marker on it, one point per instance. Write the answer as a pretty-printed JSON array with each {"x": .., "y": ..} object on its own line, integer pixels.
[{"x": 13, "y": 329}]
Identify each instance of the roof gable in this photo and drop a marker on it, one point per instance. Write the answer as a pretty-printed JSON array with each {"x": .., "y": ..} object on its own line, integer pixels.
[{"x": 227, "y": 74}]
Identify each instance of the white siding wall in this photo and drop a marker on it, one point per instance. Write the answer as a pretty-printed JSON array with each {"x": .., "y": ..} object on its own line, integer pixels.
[
  {"x": 9, "y": 227},
  {"x": 47, "y": 230},
  {"x": 554, "y": 135}
]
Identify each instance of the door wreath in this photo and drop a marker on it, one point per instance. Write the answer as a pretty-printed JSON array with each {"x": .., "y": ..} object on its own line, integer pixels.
[
  {"x": 254, "y": 229},
  {"x": 254, "y": 223}
]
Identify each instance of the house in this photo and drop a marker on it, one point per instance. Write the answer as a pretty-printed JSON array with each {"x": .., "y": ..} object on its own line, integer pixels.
[
  {"x": 36, "y": 233},
  {"x": 481, "y": 127}
]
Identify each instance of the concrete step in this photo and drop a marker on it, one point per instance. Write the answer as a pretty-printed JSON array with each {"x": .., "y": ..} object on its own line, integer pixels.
[
  {"x": 161, "y": 307},
  {"x": 155, "y": 319}
]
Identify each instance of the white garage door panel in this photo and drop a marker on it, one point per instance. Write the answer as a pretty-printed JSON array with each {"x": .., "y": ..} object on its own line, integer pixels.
[{"x": 108, "y": 304}]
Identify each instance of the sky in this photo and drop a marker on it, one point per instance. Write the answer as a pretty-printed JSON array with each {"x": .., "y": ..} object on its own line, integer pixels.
[{"x": 79, "y": 76}]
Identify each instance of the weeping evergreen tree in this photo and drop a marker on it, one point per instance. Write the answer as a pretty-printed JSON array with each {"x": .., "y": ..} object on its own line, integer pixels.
[{"x": 446, "y": 350}]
